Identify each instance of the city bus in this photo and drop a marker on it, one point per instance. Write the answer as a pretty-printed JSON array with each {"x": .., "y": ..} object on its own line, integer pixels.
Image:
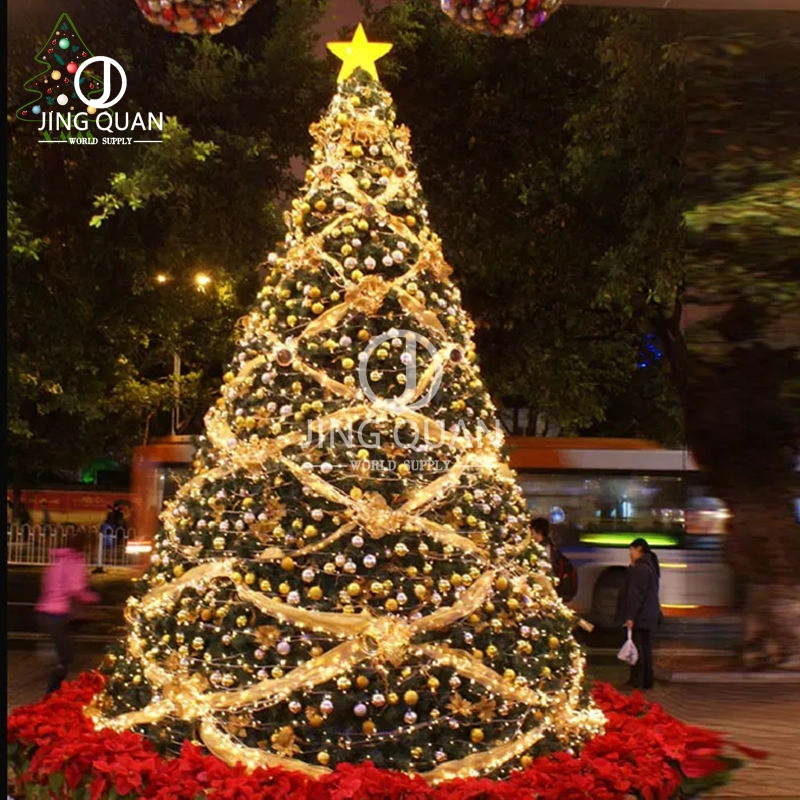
[
  {"x": 598, "y": 495},
  {"x": 601, "y": 494}
]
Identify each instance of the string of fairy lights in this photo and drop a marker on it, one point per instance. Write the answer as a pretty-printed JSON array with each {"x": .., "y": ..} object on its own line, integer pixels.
[{"x": 393, "y": 631}]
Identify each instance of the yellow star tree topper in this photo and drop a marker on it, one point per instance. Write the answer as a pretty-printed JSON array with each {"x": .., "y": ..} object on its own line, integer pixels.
[{"x": 358, "y": 53}]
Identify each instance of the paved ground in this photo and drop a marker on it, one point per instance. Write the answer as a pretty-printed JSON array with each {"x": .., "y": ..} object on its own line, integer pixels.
[{"x": 764, "y": 716}]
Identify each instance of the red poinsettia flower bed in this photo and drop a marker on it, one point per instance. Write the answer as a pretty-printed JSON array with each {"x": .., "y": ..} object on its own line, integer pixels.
[{"x": 54, "y": 752}]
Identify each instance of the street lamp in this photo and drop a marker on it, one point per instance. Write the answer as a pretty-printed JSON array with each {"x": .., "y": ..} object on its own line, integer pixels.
[{"x": 201, "y": 281}]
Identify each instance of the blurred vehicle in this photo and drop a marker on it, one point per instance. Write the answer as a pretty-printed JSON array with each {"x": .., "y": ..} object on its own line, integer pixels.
[
  {"x": 68, "y": 506},
  {"x": 157, "y": 470},
  {"x": 600, "y": 494}
]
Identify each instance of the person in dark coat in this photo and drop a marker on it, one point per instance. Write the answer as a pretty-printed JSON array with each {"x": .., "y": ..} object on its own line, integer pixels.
[
  {"x": 640, "y": 610},
  {"x": 540, "y": 528}
]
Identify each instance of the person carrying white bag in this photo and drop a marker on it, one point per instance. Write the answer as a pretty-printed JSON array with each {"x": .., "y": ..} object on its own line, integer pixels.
[
  {"x": 640, "y": 611},
  {"x": 628, "y": 652}
]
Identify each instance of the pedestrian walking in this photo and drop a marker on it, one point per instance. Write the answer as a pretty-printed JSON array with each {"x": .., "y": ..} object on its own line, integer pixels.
[
  {"x": 64, "y": 583},
  {"x": 639, "y": 609}
]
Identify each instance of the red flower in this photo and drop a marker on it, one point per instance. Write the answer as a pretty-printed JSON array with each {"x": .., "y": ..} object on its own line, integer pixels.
[{"x": 643, "y": 751}]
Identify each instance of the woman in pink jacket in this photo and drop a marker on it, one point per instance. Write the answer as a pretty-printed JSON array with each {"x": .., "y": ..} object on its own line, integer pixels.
[{"x": 64, "y": 581}]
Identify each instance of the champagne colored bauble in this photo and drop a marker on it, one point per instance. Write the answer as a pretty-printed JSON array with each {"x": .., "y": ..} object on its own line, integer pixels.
[
  {"x": 195, "y": 18},
  {"x": 511, "y": 18}
]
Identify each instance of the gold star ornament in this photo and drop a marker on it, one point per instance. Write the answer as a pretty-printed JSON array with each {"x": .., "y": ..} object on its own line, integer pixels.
[{"x": 358, "y": 53}]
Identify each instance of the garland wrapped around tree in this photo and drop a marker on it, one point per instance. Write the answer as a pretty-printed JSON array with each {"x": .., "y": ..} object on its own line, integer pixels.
[{"x": 348, "y": 574}]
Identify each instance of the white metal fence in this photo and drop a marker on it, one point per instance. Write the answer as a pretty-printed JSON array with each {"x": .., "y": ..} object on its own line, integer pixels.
[{"x": 105, "y": 547}]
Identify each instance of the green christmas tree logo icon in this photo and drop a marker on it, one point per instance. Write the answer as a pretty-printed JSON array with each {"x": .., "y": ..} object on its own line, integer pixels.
[{"x": 54, "y": 87}]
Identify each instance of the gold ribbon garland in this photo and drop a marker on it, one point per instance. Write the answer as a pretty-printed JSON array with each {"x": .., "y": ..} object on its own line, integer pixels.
[{"x": 365, "y": 636}]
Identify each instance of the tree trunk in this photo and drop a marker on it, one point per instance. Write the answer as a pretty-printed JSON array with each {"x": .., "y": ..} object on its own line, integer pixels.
[
  {"x": 764, "y": 550},
  {"x": 740, "y": 431}
]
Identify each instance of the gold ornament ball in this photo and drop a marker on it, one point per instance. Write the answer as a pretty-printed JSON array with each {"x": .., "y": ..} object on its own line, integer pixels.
[
  {"x": 317, "y": 308},
  {"x": 391, "y": 605},
  {"x": 287, "y": 564},
  {"x": 178, "y": 570},
  {"x": 368, "y": 727},
  {"x": 316, "y": 651},
  {"x": 546, "y": 673},
  {"x": 403, "y": 470},
  {"x": 491, "y": 651},
  {"x": 315, "y": 593},
  {"x": 416, "y": 753},
  {"x": 553, "y": 642},
  {"x": 265, "y": 585},
  {"x": 501, "y": 583},
  {"x": 136, "y": 680},
  {"x": 236, "y": 577},
  {"x": 353, "y": 589},
  {"x": 348, "y": 363},
  {"x": 284, "y": 589},
  {"x": 393, "y": 698},
  {"x": 324, "y": 757},
  {"x": 250, "y": 578},
  {"x": 411, "y": 698},
  {"x": 356, "y": 493},
  {"x": 218, "y": 543},
  {"x": 526, "y": 761},
  {"x": 476, "y": 735},
  {"x": 241, "y": 621},
  {"x": 362, "y": 681}
]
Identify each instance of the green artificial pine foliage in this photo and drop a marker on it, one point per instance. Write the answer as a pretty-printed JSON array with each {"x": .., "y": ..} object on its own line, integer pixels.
[{"x": 348, "y": 574}]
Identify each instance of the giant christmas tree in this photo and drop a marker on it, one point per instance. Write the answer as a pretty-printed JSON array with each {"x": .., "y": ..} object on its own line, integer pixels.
[{"x": 349, "y": 573}]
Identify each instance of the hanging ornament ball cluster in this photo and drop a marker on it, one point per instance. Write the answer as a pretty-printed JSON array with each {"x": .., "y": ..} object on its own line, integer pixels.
[
  {"x": 512, "y": 18},
  {"x": 194, "y": 17}
]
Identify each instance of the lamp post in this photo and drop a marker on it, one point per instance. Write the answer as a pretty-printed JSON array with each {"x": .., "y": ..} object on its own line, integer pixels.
[{"x": 201, "y": 281}]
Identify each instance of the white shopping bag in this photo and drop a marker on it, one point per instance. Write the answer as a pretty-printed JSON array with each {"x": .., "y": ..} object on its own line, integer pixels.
[{"x": 628, "y": 652}]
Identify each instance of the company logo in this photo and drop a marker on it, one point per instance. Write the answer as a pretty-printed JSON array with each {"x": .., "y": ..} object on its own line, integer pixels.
[
  {"x": 432, "y": 375},
  {"x": 102, "y": 101},
  {"x": 71, "y": 99}
]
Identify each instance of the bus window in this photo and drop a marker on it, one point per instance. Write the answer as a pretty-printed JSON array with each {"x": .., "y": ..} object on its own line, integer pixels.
[{"x": 610, "y": 510}]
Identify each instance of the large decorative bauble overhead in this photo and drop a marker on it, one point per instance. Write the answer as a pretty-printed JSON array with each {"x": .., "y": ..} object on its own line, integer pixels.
[
  {"x": 194, "y": 17},
  {"x": 513, "y": 18}
]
